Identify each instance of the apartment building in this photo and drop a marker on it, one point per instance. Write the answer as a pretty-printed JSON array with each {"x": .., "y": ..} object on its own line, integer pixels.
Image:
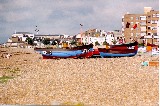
[{"x": 141, "y": 27}]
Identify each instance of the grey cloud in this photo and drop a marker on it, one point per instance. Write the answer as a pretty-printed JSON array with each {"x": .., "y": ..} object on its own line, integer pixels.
[{"x": 64, "y": 16}]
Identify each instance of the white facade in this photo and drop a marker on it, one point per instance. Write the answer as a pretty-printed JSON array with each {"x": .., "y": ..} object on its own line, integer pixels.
[
  {"x": 88, "y": 39},
  {"x": 103, "y": 36}
]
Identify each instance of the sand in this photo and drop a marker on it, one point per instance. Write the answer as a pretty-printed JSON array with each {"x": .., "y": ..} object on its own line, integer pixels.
[{"x": 95, "y": 81}]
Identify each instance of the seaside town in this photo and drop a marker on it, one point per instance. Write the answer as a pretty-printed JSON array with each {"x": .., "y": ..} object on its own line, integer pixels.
[{"x": 93, "y": 67}]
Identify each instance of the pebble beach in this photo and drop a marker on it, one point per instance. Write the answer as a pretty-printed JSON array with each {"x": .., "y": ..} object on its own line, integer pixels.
[{"x": 94, "y": 81}]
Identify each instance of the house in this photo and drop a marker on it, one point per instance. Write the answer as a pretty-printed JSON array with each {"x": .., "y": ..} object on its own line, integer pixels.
[
  {"x": 22, "y": 35},
  {"x": 94, "y": 35},
  {"x": 18, "y": 39}
]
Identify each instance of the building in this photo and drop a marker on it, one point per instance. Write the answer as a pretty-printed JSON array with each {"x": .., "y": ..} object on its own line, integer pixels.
[
  {"x": 22, "y": 35},
  {"x": 94, "y": 35},
  {"x": 141, "y": 27},
  {"x": 115, "y": 36}
]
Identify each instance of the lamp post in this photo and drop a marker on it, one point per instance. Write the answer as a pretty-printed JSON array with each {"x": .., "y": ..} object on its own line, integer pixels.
[
  {"x": 81, "y": 32},
  {"x": 36, "y": 30}
]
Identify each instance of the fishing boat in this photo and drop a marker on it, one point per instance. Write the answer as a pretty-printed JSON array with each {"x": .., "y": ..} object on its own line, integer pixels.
[
  {"x": 61, "y": 54},
  {"x": 87, "y": 53},
  {"x": 119, "y": 52},
  {"x": 122, "y": 48},
  {"x": 84, "y": 51}
]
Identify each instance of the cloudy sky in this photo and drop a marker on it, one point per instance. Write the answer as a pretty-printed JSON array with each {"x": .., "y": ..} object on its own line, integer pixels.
[{"x": 65, "y": 16}]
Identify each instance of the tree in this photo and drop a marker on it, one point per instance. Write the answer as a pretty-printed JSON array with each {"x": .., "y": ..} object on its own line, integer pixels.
[
  {"x": 54, "y": 42},
  {"x": 46, "y": 41},
  {"x": 29, "y": 40},
  {"x": 97, "y": 43},
  {"x": 73, "y": 42},
  {"x": 105, "y": 43},
  {"x": 114, "y": 41}
]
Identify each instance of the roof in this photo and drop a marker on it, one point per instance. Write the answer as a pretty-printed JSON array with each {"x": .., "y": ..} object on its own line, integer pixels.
[
  {"x": 23, "y": 33},
  {"x": 48, "y": 35}
]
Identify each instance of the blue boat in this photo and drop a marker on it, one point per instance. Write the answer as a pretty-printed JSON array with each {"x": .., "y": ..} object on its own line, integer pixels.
[
  {"x": 61, "y": 54},
  {"x": 103, "y": 54},
  {"x": 66, "y": 54}
]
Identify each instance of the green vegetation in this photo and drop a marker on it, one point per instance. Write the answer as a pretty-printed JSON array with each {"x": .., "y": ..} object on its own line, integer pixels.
[
  {"x": 29, "y": 40},
  {"x": 46, "y": 41},
  {"x": 97, "y": 43},
  {"x": 72, "y": 104},
  {"x": 9, "y": 74},
  {"x": 105, "y": 43},
  {"x": 4, "y": 79},
  {"x": 114, "y": 41},
  {"x": 73, "y": 42},
  {"x": 140, "y": 44}
]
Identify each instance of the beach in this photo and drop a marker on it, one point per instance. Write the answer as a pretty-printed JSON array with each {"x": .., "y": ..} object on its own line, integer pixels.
[{"x": 94, "y": 81}]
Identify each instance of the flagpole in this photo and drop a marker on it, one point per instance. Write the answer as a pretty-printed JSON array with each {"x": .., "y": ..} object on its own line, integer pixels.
[{"x": 81, "y": 32}]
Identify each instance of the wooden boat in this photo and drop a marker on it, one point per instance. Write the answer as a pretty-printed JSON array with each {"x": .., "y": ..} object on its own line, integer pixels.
[
  {"x": 61, "y": 54},
  {"x": 84, "y": 51},
  {"x": 117, "y": 52},
  {"x": 122, "y": 48},
  {"x": 81, "y": 47}
]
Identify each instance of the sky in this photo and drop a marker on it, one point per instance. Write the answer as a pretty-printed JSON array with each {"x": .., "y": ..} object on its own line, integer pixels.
[{"x": 65, "y": 16}]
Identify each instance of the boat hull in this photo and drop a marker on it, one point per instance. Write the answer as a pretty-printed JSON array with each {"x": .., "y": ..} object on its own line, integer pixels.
[
  {"x": 62, "y": 54},
  {"x": 68, "y": 54},
  {"x": 103, "y": 54}
]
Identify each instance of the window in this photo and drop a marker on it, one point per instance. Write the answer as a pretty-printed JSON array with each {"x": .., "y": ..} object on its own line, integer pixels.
[
  {"x": 142, "y": 23},
  {"x": 149, "y": 33},
  {"x": 131, "y": 34},
  {"x": 137, "y": 18},
  {"x": 131, "y": 18},
  {"x": 142, "y": 17},
  {"x": 149, "y": 27},
  {"x": 154, "y": 28},
  {"x": 149, "y": 21},
  {"x": 149, "y": 16},
  {"x": 155, "y": 34},
  {"x": 154, "y": 22},
  {"x": 131, "y": 23},
  {"x": 155, "y": 15}
]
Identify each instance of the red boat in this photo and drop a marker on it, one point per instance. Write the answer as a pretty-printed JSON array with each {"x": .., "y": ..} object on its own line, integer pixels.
[
  {"x": 123, "y": 48},
  {"x": 87, "y": 53}
]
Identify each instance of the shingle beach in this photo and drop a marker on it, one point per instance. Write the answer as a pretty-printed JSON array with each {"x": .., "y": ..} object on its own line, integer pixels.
[{"x": 95, "y": 81}]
